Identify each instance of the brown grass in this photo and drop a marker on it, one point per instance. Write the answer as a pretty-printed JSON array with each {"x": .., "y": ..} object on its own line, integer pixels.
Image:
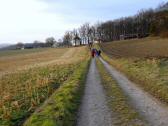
[
  {"x": 13, "y": 63},
  {"x": 125, "y": 114},
  {"x": 143, "y": 61},
  {"x": 142, "y": 48},
  {"x": 31, "y": 78},
  {"x": 164, "y": 34}
]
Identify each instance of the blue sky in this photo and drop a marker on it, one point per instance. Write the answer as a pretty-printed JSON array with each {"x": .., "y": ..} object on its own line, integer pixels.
[{"x": 29, "y": 20}]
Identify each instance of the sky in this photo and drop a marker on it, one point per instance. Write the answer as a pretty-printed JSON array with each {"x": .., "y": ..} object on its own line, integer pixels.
[{"x": 29, "y": 20}]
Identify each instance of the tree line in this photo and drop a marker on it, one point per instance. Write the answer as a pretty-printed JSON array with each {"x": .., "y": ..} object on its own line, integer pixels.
[{"x": 144, "y": 23}]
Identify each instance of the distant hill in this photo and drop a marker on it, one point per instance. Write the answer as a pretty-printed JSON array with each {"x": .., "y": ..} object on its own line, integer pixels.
[
  {"x": 162, "y": 7},
  {"x": 8, "y": 47},
  {"x": 4, "y": 45},
  {"x": 22, "y": 46}
]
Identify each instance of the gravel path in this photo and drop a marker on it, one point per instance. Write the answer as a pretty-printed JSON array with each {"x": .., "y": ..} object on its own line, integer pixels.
[
  {"x": 94, "y": 110},
  {"x": 153, "y": 110}
]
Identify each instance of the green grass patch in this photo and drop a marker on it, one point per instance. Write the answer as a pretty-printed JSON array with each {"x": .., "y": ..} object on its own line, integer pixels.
[
  {"x": 122, "y": 111},
  {"x": 61, "y": 109}
]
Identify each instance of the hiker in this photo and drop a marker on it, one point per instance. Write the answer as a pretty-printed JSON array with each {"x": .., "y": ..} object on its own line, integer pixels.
[
  {"x": 99, "y": 53},
  {"x": 96, "y": 53},
  {"x": 93, "y": 52}
]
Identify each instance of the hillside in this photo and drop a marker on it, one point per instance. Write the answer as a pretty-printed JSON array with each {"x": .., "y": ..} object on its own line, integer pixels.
[
  {"x": 14, "y": 60},
  {"x": 29, "y": 77},
  {"x": 3, "y": 45},
  {"x": 143, "y": 61},
  {"x": 141, "y": 48}
]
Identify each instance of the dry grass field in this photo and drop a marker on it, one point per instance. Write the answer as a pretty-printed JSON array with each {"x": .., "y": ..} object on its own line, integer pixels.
[
  {"x": 144, "y": 61},
  {"x": 23, "y": 60},
  {"x": 28, "y": 79},
  {"x": 141, "y": 48}
]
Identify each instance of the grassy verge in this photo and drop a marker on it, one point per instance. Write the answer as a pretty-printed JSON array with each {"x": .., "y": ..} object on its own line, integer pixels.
[
  {"x": 61, "y": 108},
  {"x": 23, "y": 92},
  {"x": 150, "y": 74},
  {"x": 125, "y": 115}
]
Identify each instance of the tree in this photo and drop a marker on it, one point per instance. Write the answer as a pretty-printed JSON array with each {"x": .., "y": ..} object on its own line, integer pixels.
[
  {"x": 74, "y": 34},
  {"x": 85, "y": 32},
  {"x": 38, "y": 44},
  {"x": 19, "y": 45},
  {"x": 67, "y": 39},
  {"x": 139, "y": 25},
  {"x": 50, "y": 41},
  {"x": 82, "y": 34},
  {"x": 88, "y": 32}
]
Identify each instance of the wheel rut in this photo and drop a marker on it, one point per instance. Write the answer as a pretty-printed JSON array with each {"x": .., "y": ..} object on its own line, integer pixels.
[
  {"x": 94, "y": 110},
  {"x": 155, "y": 112}
]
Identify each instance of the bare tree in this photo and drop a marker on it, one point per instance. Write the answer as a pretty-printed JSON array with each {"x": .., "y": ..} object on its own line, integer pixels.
[
  {"x": 139, "y": 25},
  {"x": 82, "y": 34},
  {"x": 67, "y": 38}
]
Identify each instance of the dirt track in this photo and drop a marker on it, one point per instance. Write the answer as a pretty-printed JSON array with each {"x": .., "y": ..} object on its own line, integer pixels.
[
  {"x": 94, "y": 110},
  {"x": 150, "y": 108}
]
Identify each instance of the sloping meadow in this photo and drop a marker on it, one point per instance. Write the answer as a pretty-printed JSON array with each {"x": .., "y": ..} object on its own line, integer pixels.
[
  {"x": 143, "y": 61},
  {"x": 61, "y": 109},
  {"x": 23, "y": 91}
]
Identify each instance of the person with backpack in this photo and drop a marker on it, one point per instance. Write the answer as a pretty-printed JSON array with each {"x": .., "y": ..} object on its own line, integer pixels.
[
  {"x": 93, "y": 53},
  {"x": 99, "y": 52}
]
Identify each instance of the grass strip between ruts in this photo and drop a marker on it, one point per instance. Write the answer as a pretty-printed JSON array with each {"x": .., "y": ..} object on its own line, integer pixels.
[
  {"x": 145, "y": 73},
  {"x": 122, "y": 112}
]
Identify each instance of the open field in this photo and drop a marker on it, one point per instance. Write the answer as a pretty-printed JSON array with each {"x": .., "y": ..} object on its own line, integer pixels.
[
  {"x": 62, "y": 107},
  {"x": 20, "y": 52},
  {"x": 24, "y": 60},
  {"x": 140, "y": 48},
  {"x": 144, "y": 61},
  {"x": 30, "y": 78}
]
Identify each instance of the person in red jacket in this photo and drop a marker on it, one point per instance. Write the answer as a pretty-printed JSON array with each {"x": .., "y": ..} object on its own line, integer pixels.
[{"x": 93, "y": 52}]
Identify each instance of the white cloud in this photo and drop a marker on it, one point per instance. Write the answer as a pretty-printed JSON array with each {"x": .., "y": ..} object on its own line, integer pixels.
[{"x": 27, "y": 20}]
